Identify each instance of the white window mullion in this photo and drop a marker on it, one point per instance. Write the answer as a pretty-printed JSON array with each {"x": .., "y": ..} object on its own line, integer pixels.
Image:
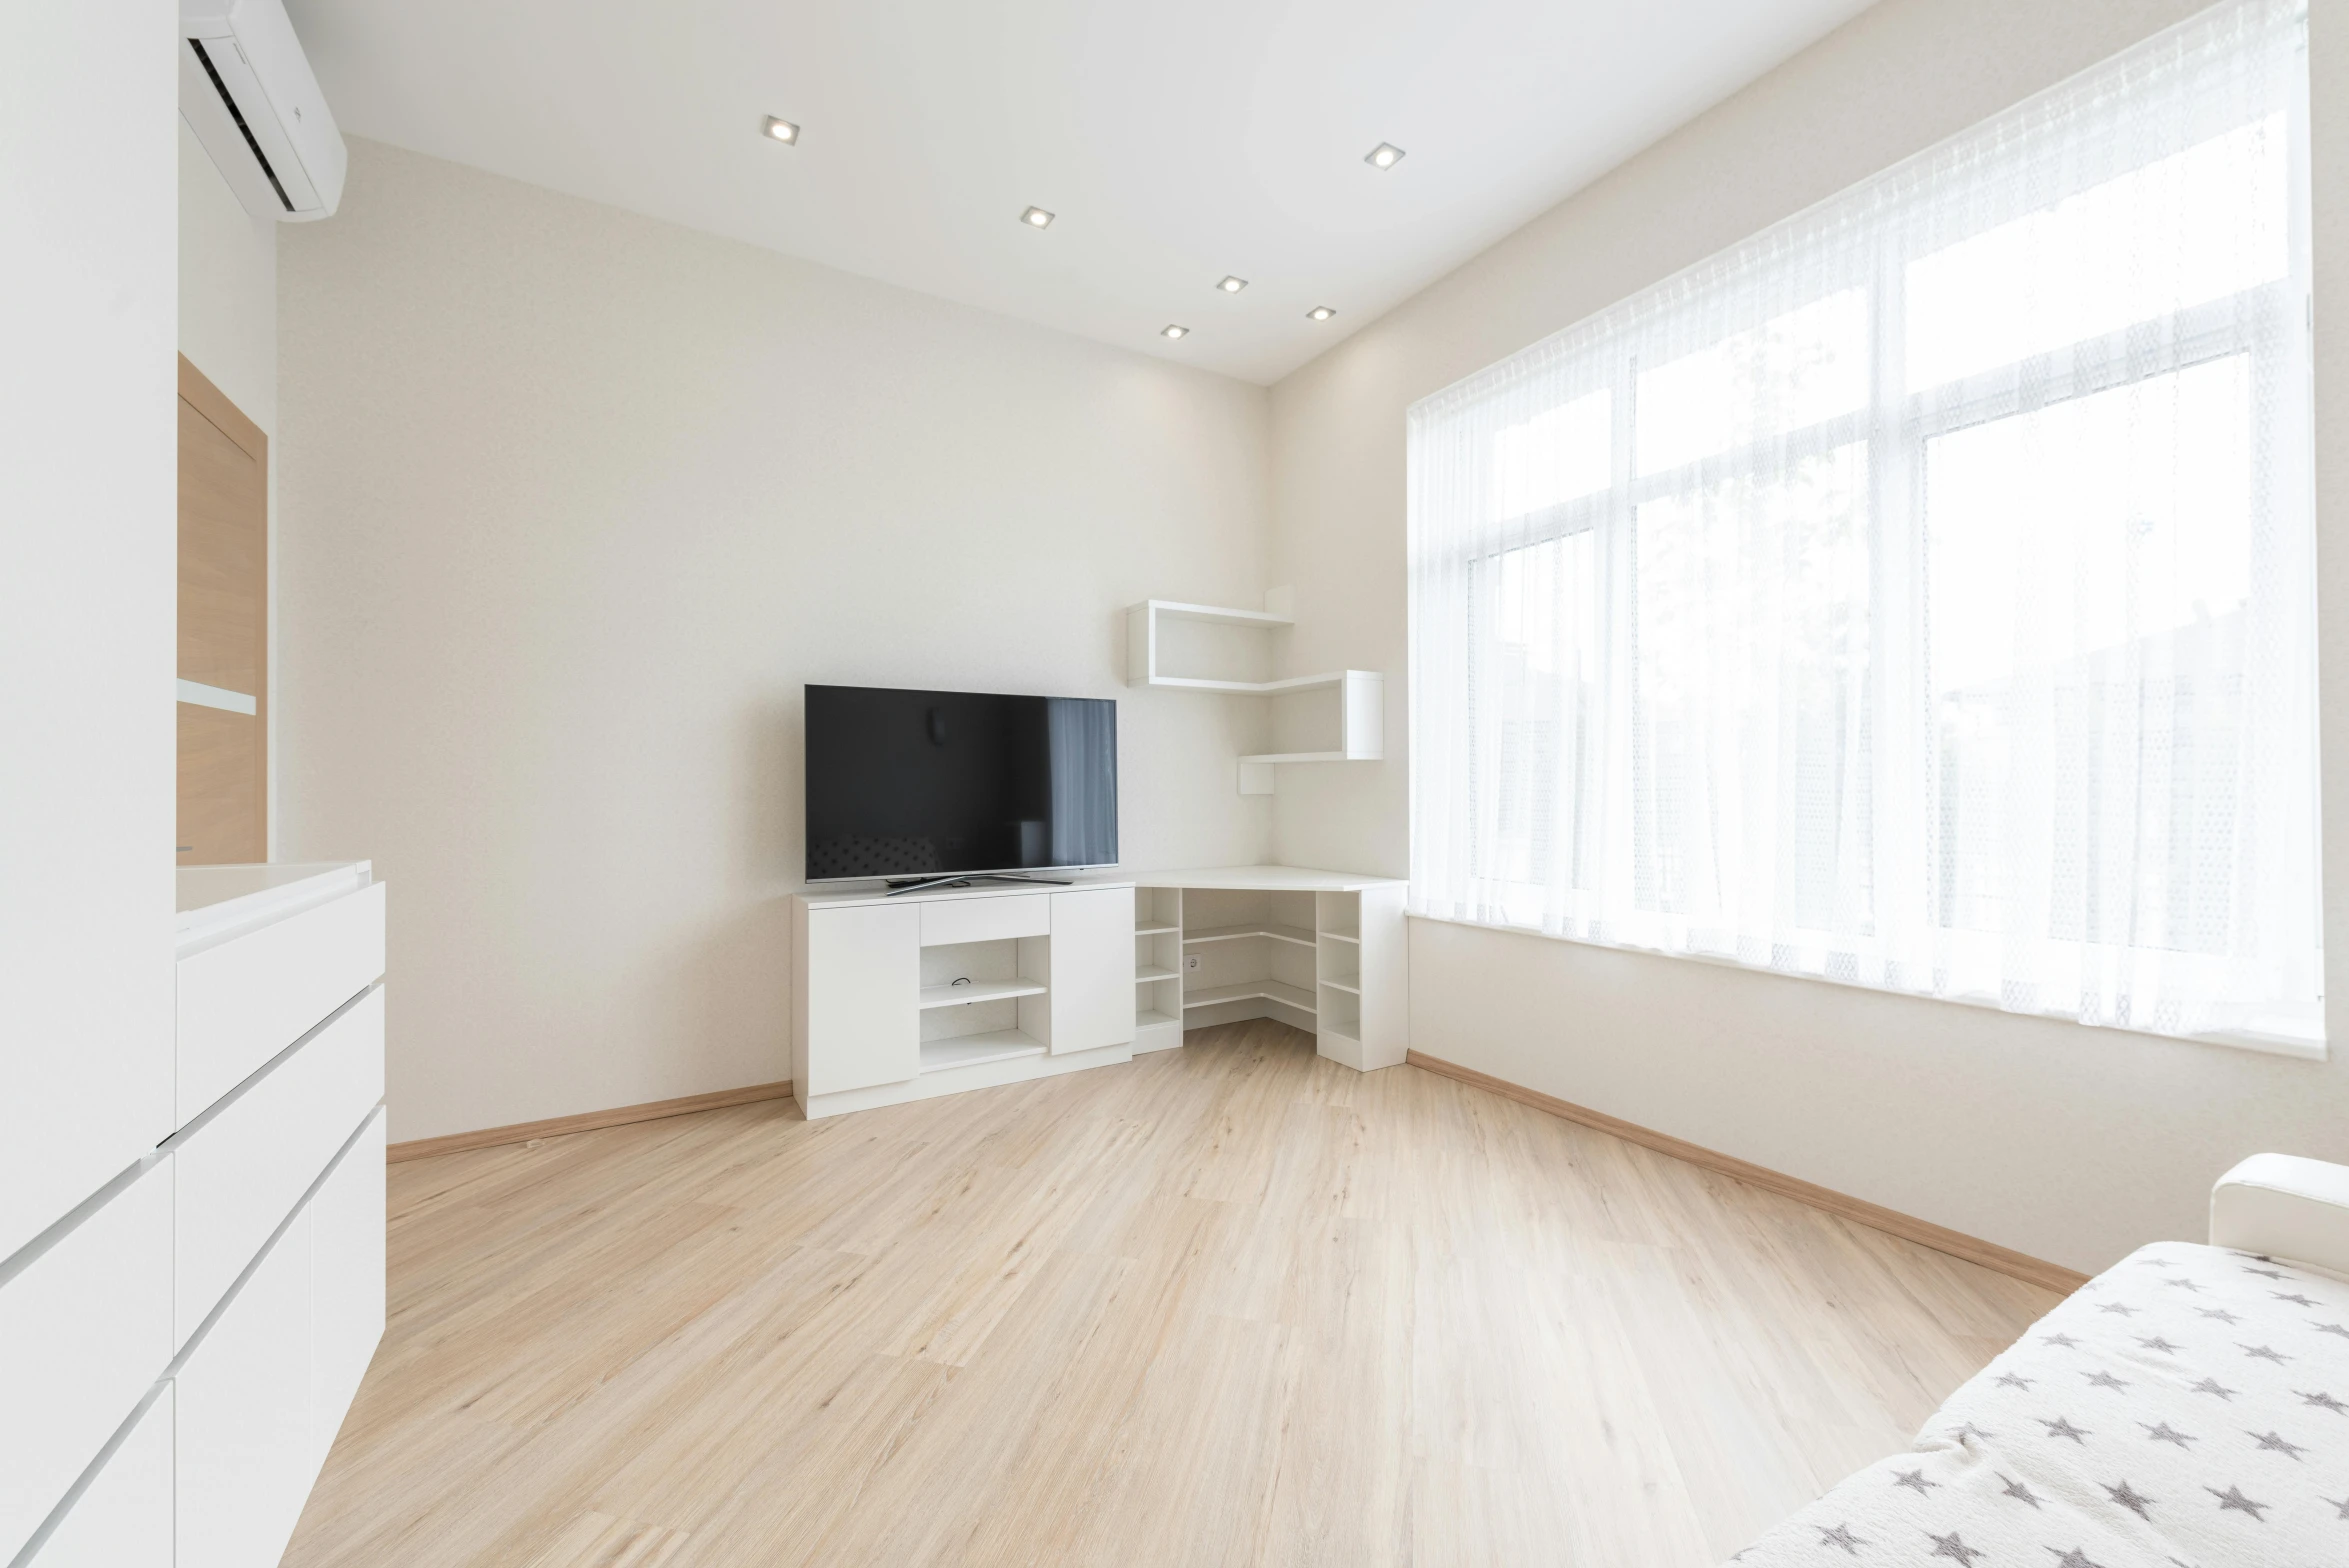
[
  {"x": 1610, "y": 829},
  {"x": 1901, "y": 755}
]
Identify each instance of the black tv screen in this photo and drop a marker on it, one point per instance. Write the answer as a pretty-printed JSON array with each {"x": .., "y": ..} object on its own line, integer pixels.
[{"x": 934, "y": 783}]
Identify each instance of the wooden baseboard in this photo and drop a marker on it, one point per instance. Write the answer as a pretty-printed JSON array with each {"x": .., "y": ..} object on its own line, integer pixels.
[
  {"x": 2005, "y": 1260},
  {"x": 586, "y": 1121}
]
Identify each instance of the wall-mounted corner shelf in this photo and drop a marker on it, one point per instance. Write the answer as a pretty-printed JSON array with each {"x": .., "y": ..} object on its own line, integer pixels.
[
  {"x": 1235, "y": 658},
  {"x": 1154, "y": 629}
]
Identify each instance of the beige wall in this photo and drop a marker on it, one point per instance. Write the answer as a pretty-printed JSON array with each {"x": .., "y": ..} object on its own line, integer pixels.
[
  {"x": 575, "y": 501},
  {"x": 2071, "y": 1143}
]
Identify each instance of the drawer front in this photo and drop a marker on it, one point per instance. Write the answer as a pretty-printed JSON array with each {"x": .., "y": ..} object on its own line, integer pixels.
[
  {"x": 986, "y": 919},
  {"x": 346, "y": 1322},
  {"x": 265, "y": 1387},
  {"x": 244, "y": 1441},
  {"x": 123, "y": 1518},
  {"x": 240, "y": 1173},
  {"x": 252, "y": 996},
  {"x": 85, "y": 1330}
]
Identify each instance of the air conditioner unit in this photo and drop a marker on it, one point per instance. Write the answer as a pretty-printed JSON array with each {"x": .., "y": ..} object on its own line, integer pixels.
[{"x": 246, "y": 90}]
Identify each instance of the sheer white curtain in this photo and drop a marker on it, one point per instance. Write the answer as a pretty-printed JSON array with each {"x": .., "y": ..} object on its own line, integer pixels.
[{"x": 1918, "y": 594}]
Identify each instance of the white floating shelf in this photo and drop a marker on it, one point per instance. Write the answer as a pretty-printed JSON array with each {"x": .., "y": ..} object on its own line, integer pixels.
[
  {"x": 1296, "y": 934},
  {"x": 1249, "y": 990},
  {"x": 969, "y": 1050},
  {"x": 978, "y": 991},
  {"x": 1353, "y": 730},
  {"x": 1216, "y": 614},
  {"x": 1281, "y": 687}
]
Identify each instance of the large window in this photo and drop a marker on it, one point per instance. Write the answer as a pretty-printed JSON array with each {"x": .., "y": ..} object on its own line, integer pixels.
[{"x": 1919, "y": 594}]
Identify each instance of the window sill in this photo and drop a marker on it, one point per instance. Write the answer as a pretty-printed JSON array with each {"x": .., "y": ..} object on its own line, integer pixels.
[{"x": 2266, "y": 1044}]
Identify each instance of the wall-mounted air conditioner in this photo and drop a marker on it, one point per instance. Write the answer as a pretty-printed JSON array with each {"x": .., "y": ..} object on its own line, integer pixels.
[{"x": 246, "y": 90}]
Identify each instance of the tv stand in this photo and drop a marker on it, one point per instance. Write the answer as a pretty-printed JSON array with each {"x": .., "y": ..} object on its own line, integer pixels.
[
  {"x": 965, "y": 879},
  {"x": 954, "y": 987}
]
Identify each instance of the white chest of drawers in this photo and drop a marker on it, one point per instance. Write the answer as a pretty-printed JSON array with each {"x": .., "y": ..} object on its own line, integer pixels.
[{"x": 177, "y": 1353}]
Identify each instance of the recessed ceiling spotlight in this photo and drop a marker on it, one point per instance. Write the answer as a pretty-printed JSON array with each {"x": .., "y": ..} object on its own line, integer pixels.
[
  {"x": 781, "y": 130},
  {"x": 1036, "y": 218},
  {"x": 1384, "y": 156},
  {"x": 1232, "y": 285},
  {"x": 1171, "y": 331},
  {"x": 1319, "y": 313}
]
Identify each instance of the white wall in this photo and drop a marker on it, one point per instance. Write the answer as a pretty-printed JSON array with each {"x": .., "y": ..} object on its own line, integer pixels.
[
  {"x": 227, "y": 287},
  {"x": 575, "y": 501},
  {"x": 228, "y": 330},
  {"x": 2071, "y": 1143},
  {"x": 88, "y": 443}
]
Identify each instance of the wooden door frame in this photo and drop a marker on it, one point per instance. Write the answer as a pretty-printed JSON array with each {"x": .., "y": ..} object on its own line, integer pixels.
[{"x": 198, "y": 392}]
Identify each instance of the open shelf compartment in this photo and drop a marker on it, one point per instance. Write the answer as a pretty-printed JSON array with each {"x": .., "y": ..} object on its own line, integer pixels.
[
  {"x": 971, "y": 1050},
  {"x": 1248, "y": 954},
  {"x": 1203, "y": 647},
  {"x": 1338, "y": 962},
  {"x": 983, "y": 1001},
  {"x": 1158, "y": 968}
]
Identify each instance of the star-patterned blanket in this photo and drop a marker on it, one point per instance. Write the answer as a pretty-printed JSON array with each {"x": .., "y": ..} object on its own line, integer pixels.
[{"x": 2187, "y": 1408}]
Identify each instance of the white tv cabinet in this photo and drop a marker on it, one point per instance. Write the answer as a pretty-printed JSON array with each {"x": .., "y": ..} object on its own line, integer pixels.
[{"x": 902, "y": 998}]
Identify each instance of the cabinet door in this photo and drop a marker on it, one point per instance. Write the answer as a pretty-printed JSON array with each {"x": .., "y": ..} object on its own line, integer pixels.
[
  {"x": 864, "y": 996},
  {"x": 87, "y": 491},
  {"x": 123, "y": 1517},
  {"x": 1092, "y": 969}
]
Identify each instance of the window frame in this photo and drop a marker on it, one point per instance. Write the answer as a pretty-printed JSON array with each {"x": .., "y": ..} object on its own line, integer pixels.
[{"x": 2267, "y": 322}]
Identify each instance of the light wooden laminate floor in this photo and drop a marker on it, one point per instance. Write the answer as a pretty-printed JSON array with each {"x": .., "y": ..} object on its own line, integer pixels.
[{"x": 1232, "y": 1304}]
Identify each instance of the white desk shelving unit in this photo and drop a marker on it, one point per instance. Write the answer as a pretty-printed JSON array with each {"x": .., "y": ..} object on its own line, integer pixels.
[
  {"x": 1158, "y": 969},
  {"x": 1334, "y": 717},
  {"x": 1321, "y": 950},
  {"x": 945, "y": 989}
]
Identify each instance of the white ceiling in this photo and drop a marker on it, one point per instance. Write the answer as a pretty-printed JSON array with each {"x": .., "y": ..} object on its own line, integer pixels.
[{"x": 1178, "y": 140}]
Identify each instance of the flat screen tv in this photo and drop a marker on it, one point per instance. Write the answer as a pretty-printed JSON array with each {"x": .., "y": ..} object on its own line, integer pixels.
[{"x": 940, "y": 784}]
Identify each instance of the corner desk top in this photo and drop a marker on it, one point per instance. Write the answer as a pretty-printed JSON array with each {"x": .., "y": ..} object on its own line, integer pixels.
[{"x": 1271, "y": 879}]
